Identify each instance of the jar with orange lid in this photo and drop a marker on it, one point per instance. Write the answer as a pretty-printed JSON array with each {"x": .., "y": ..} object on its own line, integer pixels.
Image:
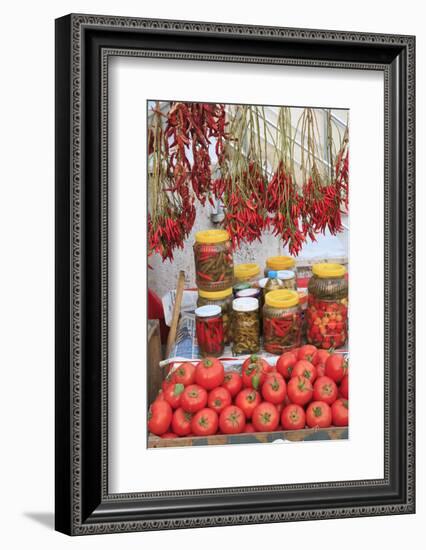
[
  {"x": 327, "y": 312},
  {"x": 246, "y": 273},
  {"x": 223, "y": 299},
  {"x": 282, "y": 322},
  {"x": 279, "y": 263},
  {"x": 214, "y": 264}
]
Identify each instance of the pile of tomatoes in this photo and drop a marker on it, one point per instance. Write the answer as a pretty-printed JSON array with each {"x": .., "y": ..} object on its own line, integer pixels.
[{"x": 308, "y": 388}]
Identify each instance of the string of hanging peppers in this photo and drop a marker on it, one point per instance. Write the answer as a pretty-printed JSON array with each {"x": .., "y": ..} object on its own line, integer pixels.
[{"x": 256, "y": 178}]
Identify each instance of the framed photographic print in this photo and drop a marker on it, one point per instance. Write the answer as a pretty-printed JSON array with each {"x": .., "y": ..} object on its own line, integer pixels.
[{"x": 234, "y": 268}]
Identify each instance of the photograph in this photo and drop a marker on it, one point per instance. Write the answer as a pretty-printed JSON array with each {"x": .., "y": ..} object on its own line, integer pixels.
[
  {"x": 248, "y": 273},
  {"x": 235, "y": 282}
]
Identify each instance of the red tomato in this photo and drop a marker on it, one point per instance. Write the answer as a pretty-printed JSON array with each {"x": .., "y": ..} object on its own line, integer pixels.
[
  {"x": 159, "y": 417},
  {"x": 265, "y": 417},
  {"x": 320, "y": 357},
  {"x": 184, "y": 374},
  {"x": 318, "y": 415},
  {"x": 293, "y": 417},
  {"x": 274, "y": 388},
  {"x": 232, "y": 420},
  {"x": 307, "y": 352},
  {"x": 218, "y": 399},
  {"x": 344, "y": 387},
  {"x": 299, "y": 390},
  {"x": 181, "y": 422},
  {"x": 340, "y": 412},
  {"x": 306, "y": 369},
  {"x": 336, "y": 367},
  {"x": 325, "y": 389},
  {"x": 232, "y": 382},
  {"x": 254, "y": 371},
  {"x": 209, "y": 373},
  {"x": 193, "y": 398},
  {"x": 169, "y": 435},
  {"x": 248, "y": 400},
  {"x": 205, "y": 422},
  {"x": 286, "y": 362},
  {"x": 173, "y": 395},
  {"x": 249, "y": 428}
]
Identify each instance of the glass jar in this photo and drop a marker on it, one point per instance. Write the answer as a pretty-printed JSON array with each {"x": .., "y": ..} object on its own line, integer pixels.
[
  {"x": 214, "y": 264},
  {"x": 272, "y": 283},
  {"x": 288, "y": 279},
  {"x": 282, "y": 321},
  {"x": 279, "y": 263},
  {"x": 223, "y": 299},
  {"x": 240, "y": 286},
  {"x": 253, "y": 293},
  {"x": 327, "y": 313},
  {"x": 209, "y": 330},
  {"x": 245, "y": 326},
  {"x": 246, "y": 273}
]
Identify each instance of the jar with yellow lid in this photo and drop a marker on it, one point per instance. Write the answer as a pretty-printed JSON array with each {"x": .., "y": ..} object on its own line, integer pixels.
[
  {"x": 327, "y": 313},
  {"x": 214, "y": 264},
  {"x": 279, "y": 263},
  {"x": 223, "y": 299},
  {"x": 282, "y": 321},
  {"x": 246, "y": 273}
]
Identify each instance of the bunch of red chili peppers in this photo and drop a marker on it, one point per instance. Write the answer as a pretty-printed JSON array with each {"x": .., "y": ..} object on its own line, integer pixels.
[
  {"x": 179, "y": 146},
  {"x": 176, "y": 179}
]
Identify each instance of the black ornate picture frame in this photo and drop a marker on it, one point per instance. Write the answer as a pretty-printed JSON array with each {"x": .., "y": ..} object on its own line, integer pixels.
[{"x": 84, "y": 43}]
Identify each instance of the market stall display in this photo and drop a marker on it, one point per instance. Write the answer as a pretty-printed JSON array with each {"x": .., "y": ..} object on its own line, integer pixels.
[{"x": 256, "y": 401}]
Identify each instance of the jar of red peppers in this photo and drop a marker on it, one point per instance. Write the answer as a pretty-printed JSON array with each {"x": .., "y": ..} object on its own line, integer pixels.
[
  {"x": 282, "y": 321},
  {"x": 214, "y": 264},
  {"x": 327, "y": 313},
  {"x": 223, "y": 299},
  {"x": 209, "y": 329}
]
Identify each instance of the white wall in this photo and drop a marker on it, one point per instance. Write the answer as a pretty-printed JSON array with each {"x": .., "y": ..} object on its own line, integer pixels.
[{"x": 26, "y": 218}]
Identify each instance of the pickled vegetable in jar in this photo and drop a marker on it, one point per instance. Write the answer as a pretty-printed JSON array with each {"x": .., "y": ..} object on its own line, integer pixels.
[
  {"x": 327, "y": 313},
  {"x": 223, "y": 299},
  {"x": 288, "y": 278},
  {"x": 272, "y": 283},
  {"x": 246, "y": 273},
  {"x": 282, "y": 321},
  {"x": 214, "y": 264},
  {"x": 209, "y": 330},
  {"x": 279, "y": 263},
  {"x": 245, "y": 326}
]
